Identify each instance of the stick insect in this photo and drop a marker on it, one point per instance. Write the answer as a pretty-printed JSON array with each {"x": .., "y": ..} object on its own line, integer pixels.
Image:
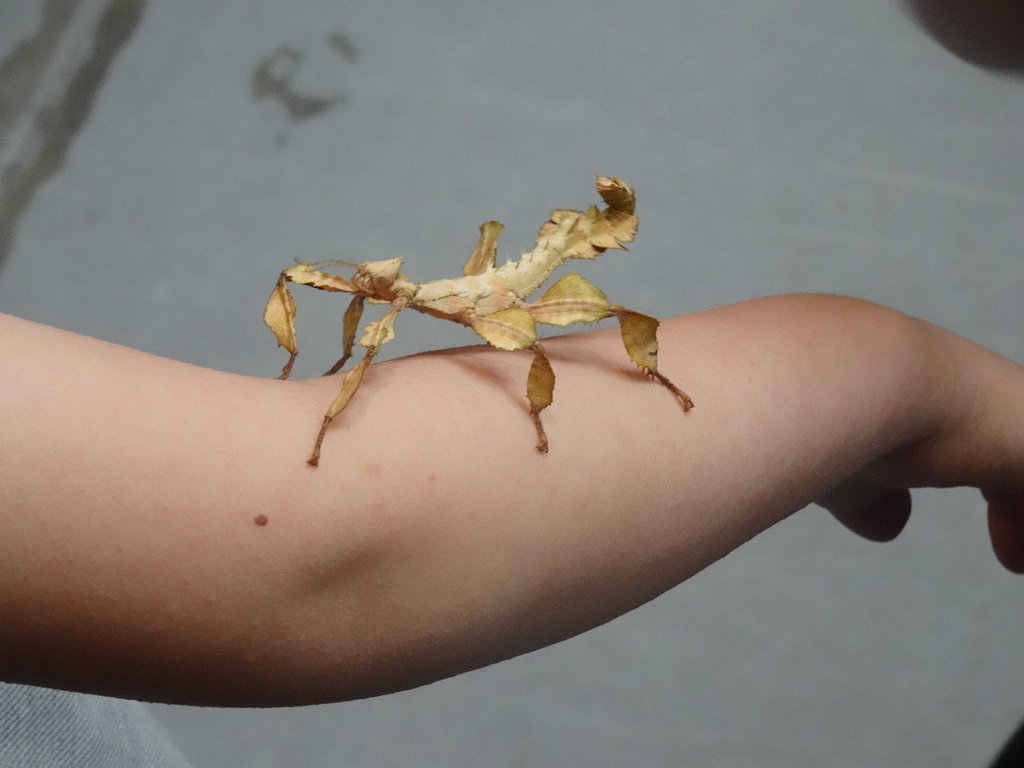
[{"x": 488, "y": 299}]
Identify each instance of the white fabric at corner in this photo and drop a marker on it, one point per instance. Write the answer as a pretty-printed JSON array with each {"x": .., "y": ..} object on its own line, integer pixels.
[{"x": 43, "y": 728}]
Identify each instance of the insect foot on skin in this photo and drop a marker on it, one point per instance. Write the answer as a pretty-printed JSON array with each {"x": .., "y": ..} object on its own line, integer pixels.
[{"x": 487, "y": 298}]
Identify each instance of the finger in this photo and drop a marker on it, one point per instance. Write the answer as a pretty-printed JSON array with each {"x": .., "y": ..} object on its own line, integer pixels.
[
  {"x": 984, "y": 32},
  {"x": 876, "y": 513},
  {"x": 1006, "y": 528}
]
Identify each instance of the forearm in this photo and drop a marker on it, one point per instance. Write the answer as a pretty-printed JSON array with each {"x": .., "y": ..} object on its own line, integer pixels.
[{"x": 432, "y": 539}]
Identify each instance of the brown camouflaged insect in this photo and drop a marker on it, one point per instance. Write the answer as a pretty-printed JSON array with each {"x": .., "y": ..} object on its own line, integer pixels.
[{"x": 487, "y": 298}]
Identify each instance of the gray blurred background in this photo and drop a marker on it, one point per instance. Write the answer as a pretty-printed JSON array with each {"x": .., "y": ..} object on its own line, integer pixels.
[{"x": 161, "y": 161}]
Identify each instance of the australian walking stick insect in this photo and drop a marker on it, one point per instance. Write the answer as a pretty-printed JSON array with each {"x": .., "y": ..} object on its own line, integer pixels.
[{"x": 487, "y": 298}]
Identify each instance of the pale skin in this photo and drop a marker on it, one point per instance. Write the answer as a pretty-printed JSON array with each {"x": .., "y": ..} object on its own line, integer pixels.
[{"x": 164, "y": 538}]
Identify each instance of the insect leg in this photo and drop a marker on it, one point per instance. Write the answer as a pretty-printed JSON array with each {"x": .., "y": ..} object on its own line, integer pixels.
[
  {"x": 279, "y": 315},
  {"x": 377, "y": 334},
  {"x": 540, "y": 386},
  {"x": 353, "y": 315},
  {"x": 349, "y": 385},
  {"x": 515, "y": 328},
  {"x": 639, "y": 335}
]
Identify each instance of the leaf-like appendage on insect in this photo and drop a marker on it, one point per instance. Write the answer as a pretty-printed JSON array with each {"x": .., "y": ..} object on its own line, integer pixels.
[
  {"x": 379, "y": 331},
  {"x": 639, "y": 335},
  {"x": 307, "y": 274},
  {"x": 508, "y": 329},
  {"x": 619, "y": 195},
  {"x": 540, "y": 384},
  {"x": 486, "y": 250},
  {"x": 540, "y": 390},
  {"x": 350, "y": 327},
  {"x": 353, "y": 315},
  {"x": 573, "y": 299},
  {"x": 349, "y": 385},
  {"x": 279, "y": 315}
]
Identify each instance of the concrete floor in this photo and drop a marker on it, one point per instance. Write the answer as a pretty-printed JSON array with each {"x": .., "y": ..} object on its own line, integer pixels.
[{"x": 156, "y": 175}]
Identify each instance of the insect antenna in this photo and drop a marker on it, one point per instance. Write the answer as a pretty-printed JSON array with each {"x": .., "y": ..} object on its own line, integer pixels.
[
  {"x": 336, "y": 263},
  {"x": 328, "y": 263}
]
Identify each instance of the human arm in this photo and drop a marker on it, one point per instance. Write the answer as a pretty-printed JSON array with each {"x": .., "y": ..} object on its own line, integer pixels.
[{"x": 433, "y": 539}]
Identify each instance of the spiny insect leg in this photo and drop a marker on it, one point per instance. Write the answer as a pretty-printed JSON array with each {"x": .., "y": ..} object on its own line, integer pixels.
[
  {"x": 353, "y": 315},
  {"x": 377, "y": 334},
  {"x": 639, "y": 335},
  {"x": 540, "y": 386}
]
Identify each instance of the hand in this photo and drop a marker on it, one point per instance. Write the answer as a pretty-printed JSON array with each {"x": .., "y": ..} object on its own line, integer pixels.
[{"x": 978, "y": 444}]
